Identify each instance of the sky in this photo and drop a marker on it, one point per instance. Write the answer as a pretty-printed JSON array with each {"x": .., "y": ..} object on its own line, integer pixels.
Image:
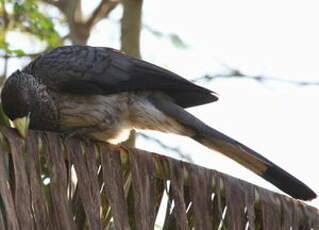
[{"x": 274, "y": 38}]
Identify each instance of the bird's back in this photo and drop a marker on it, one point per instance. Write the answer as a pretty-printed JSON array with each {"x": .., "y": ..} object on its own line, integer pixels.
[{"x": 98, "y": 70}]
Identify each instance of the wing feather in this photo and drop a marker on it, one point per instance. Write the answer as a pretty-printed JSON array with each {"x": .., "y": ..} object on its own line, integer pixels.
[{"x": 98, "y": 70}]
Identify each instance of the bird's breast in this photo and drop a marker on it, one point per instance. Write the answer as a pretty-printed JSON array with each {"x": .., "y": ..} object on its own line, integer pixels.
[
  {"x": 110, "y": 117},
  {"x": 106, "y": 117}
]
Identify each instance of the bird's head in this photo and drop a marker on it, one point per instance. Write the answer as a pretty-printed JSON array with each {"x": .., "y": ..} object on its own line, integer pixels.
[
  {"x": 16, "y": 95},
  {"x": 18, "y": 98}
]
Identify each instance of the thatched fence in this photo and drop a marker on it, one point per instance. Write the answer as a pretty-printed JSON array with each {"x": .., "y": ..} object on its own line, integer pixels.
[{"x": 48, "y": 183}]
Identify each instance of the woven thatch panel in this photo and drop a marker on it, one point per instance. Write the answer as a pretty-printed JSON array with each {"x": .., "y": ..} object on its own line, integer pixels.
[{"x": 46, "y": 183}]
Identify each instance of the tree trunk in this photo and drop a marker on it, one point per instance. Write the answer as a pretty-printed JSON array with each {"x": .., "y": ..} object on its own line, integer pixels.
[
  {"x": 131, "y": 27},
  {"x": 130, "y": 38}
]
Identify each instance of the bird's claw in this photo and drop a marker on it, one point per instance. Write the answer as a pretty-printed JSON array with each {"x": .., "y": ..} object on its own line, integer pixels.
[{"x": 119, "y": 147}]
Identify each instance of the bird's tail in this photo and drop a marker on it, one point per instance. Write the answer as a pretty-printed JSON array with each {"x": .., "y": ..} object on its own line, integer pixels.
[{"x": 238, "y": 152}]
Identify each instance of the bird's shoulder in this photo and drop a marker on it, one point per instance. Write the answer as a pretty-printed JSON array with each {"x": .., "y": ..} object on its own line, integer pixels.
[{"x": 73, "y": 61}]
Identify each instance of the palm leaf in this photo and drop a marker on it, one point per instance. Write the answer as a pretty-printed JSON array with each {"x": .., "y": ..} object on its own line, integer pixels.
[{"x": 74, "y": 184}]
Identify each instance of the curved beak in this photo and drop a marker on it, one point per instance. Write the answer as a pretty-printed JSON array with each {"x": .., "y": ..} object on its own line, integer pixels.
[{"x": 22, "y": 125}]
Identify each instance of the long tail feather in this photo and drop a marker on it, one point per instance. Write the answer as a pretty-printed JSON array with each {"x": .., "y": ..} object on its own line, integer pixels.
[{"x": 238, "y": 152}]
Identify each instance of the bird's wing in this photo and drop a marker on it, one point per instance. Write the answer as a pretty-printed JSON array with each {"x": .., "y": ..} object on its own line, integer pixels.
[{"x": 99, "y": 70}]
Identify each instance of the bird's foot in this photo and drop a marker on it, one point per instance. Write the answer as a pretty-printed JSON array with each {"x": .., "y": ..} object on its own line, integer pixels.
[{"x": 119, "y": 147}]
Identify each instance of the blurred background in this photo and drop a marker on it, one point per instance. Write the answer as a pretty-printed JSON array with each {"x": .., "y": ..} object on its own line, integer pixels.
[{"x": 261, "y": 57}]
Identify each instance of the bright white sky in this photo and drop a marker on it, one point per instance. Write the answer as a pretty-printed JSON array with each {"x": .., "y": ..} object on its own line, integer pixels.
[
  {"x": 269, "y": 37},
  {"x": 274, "y": 38}
]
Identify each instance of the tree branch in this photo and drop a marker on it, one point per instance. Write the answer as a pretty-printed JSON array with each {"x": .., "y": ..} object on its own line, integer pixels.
[
  {"x": 234, "y": 73},
  {"x": 4, "y": 15},
  {"x": 70, "y": 8},
  {"x": 101, "y": 11},
  {"x": 31, "y": 55},
  {"x": 79, "y": 28},
  {"x": 58, "y": 4}
]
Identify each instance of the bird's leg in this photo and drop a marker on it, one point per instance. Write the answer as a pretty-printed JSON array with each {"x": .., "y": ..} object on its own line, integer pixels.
[{"x": 80, "y": 133}]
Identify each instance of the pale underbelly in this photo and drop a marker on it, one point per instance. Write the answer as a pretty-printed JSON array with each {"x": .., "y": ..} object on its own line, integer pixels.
[{"x": 110, "y": 137}]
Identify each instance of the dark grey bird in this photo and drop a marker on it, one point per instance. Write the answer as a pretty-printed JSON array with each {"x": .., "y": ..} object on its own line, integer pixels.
[{"x": 102, "y": 93}]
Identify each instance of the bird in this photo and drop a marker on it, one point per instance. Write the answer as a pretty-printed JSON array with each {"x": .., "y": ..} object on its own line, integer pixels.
[{"x": 101, "y": 93}]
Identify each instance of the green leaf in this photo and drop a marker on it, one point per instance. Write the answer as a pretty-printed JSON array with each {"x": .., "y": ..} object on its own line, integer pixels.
[
  {"x": 177, "y": 41},
  {"x": 4, "y": 120},
  {"x": 18, "y": 52},
  {"x": 30, "y": 19},
  {"x": 3, "y": 44}
]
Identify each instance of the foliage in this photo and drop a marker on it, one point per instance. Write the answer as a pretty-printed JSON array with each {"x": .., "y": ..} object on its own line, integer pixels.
[
  {"x": 35, "y": 22},
  {"x": 176, "y": 40},
  {"x": 26, "y": 17}
]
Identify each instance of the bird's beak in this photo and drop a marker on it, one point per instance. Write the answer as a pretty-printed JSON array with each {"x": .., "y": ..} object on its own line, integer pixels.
[{"x": 22, "y": 125}]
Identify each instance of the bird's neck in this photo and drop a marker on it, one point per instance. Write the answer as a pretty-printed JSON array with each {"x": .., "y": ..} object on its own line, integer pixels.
[{"x": 44, "y": 115}]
